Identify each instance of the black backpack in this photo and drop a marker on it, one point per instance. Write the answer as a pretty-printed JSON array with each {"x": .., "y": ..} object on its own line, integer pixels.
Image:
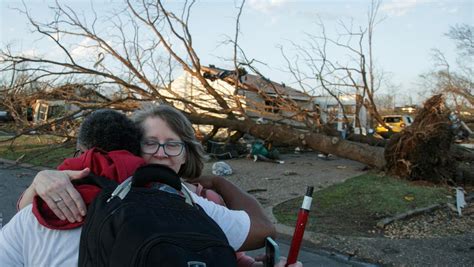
[{"x": 131, "y": 225}]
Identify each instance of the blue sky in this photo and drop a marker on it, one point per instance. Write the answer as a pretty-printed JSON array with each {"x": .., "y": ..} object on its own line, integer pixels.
[{"x": 402, "y": 41}]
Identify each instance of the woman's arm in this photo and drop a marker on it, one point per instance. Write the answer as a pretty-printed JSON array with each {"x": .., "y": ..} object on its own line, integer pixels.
[
  {"x": 237, "y": 199},
  {"x": 56, "y": 189}
]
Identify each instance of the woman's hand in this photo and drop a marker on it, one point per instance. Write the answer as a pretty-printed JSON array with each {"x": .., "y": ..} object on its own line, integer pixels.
[
  {"x": 207, "y": 181},
  {"x": 56, "y": 189}
]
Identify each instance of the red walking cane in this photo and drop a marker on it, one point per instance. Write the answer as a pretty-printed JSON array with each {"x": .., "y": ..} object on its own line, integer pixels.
[{"x": 300, "y": 226}]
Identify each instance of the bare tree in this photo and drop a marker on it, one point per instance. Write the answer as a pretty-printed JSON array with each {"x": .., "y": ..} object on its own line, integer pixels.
[
  {"x": 138, "y": 49},
  {"x": 456, "y": 83},
  {"x": 355, "y": 74}
]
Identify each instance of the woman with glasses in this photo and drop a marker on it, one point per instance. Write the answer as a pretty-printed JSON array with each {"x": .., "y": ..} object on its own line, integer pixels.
[{"x": 168, "y": 139}]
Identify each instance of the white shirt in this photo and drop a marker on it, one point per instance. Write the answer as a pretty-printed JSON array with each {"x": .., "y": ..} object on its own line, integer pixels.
[
  {"x": 25, "y": 242},
  {"x": 234, "y": 223}
]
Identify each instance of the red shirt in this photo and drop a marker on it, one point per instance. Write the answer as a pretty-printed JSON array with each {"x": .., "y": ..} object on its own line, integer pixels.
[{"x": 116, "y": 165}]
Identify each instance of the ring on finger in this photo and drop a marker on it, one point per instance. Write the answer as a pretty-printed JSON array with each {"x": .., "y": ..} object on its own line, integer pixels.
[{"x": 57, "y": 200}]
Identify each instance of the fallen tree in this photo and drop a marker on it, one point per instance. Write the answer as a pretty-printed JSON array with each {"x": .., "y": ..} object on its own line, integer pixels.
[{"x": 370, "y": 155}]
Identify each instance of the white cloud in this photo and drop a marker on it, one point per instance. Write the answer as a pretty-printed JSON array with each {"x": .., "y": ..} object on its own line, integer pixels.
[
  {"x": 400, "y": 7},
  {"x": 86, "y": 49},
  {"x": 266, "y": 6},
  {"x": 83, "y": 49},
  {"x": 30, "y": 53},
  {"x": 452, "y": 10}
]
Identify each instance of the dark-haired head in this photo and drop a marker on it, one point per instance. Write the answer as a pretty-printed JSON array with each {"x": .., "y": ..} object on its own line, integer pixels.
[{"x": 109, "y": 130}]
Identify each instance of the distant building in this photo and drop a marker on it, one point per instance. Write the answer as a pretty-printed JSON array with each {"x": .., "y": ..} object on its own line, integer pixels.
[
  {"x": 331, "y": 111},
  {"x": 407, "y": 109},
  {"x": 64, "y": 99}
]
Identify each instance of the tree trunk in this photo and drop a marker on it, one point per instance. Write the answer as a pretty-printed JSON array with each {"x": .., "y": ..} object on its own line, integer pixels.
[{"x": 372, "y": 156}]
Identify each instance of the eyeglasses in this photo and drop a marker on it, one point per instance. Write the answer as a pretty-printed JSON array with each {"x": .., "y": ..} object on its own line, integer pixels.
[{"x": 171, "y": 148}]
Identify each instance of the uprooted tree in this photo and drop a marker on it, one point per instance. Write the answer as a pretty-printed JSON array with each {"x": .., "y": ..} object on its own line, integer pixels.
[
  {"x": 424, "y": 149},
  {"x": 139, "y": 51}
]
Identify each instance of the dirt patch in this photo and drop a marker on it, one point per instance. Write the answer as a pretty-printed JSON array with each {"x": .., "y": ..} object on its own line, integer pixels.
[{"x": 273, "y": 183}]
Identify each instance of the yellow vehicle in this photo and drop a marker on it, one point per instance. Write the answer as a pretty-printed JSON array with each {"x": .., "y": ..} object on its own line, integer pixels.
[{"x": 396, "y": 123}]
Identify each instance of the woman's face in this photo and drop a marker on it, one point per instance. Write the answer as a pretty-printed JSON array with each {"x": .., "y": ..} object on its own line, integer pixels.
[{"x": 157, "y": 130}]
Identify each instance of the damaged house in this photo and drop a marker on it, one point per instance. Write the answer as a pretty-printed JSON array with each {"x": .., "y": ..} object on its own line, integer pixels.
[
  {"x": 64, "y": 99},
  {"x": 261, "y": 99}
]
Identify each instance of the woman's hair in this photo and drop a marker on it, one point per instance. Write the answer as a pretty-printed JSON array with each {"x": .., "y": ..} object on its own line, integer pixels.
[
  {"x": 109, "y": 130},
  {"x": 179, "y": 124}
]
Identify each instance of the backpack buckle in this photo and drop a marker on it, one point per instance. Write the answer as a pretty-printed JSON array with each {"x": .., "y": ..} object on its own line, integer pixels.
[
  {"x": 196, "y": 264},
  {"x": 121, "y": 190}
]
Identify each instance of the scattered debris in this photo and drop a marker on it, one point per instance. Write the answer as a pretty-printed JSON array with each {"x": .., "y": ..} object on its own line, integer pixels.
[
  {"x": 262, "y": 200},
  {"x": 326, "y": 156},
  {"x": 288, "y": 173},
  {"x": 256, "y": 190},
  {"x": 439, "y": 223},
  {"x": 423, "y": 211},
  {"x": 20, "y": 158},
  {"x": 409, "y": 197},
  {"x": 452, "y": 207},
  {"x": 221, "y": 168},
  {"x": 272, "y": 179},
  {"x": 460, "y": 201},
  {"x": 384, "y": 222},
  {"x": 226, "y": 155}
]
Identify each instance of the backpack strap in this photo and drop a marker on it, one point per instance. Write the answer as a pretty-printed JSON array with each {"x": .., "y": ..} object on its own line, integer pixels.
[
  {"x": 187, "y": 195},
  {"x": 156, "y": 173},
  {"x": 96, "y": 180}
]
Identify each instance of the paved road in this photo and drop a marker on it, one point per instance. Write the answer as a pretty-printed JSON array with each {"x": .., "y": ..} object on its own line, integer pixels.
[
  {"x": 15, "y": 179},
  {"x": 311, "y": 257}
]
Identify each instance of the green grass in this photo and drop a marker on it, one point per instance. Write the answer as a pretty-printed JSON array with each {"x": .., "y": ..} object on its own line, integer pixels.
[
  {"x": 354, "y": 206},
  {"x": 44, "y": 150}
]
